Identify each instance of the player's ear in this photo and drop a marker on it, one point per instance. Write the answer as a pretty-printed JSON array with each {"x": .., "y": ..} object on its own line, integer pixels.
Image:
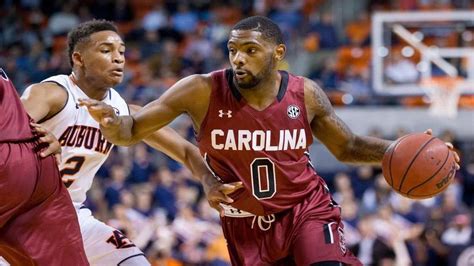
[
  {"x": 280, "y": 51},
  {"x": 77, "y": 58}
]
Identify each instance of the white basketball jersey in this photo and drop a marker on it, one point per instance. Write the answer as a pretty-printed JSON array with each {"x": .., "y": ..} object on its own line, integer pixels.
[{"x": 84, "y": 149}]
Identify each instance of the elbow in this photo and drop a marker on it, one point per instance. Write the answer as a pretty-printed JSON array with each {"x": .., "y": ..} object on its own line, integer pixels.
[
  {"x": 344, "y": 157},
  {"x": 346, "y": 152},
  {"x": 190, "y": 157},
  {"x": 187, "y": 160},
  {"x": 194, "y": 162}
]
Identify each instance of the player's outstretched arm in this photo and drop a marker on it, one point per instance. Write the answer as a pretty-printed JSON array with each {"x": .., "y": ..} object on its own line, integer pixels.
[
  {"x": 172, "y": 144},
  {"x": 189, "y": 95},
  {"x": 336, "y": 135},
  {"x": 168, "y": 141},
  {"x": 182, "y": 97}
]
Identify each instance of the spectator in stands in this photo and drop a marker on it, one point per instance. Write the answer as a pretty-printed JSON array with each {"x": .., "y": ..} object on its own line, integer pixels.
[
  {"x": 459, "y": 237},
  {"x": 451, "y": 205},
  {"x": 371, "y": 249},
  {"x": 142, "y": 167},
  {"x": 376, "y": 196},
  {"x": 117, "y": 185},
  {"x": 326, "y": 32},
  {"x": 63, "y": 21},
  {"x": 362, "y": 178},
  {"x": 122, "y": 11},
  {"x": 185, "y": 20},
  {"x": 401, "y": 70},
  {"x": 459, "y": 231},
  {"x": 164, "y": 194},
  {"x": 342, "y": 183},
  {"x": 155, "y": 19}
]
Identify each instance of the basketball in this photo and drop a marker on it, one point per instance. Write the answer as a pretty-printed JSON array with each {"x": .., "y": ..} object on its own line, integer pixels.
[{"x": 418, "y": 166}]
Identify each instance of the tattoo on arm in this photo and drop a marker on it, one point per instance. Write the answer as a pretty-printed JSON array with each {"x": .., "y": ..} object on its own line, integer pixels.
[
  {"x": 322, "y": 104},
  {"x": 368, "y": 149},
  {"x": 340, "y": 125},
  {"x": 339, "y": 138}
]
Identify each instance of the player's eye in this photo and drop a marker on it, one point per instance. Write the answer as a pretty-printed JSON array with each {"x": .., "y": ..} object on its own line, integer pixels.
[
  {"x": 232, "y": 50},
  {"x": 251, "y": 50},
  {"x": 104, "y": 51}
]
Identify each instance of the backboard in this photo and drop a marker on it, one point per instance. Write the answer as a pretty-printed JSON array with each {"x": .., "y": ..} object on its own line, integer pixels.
[{"x": 410, "y": 47}]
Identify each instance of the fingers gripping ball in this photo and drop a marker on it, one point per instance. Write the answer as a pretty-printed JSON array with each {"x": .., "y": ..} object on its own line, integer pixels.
[{"x": 419, "y": 166}]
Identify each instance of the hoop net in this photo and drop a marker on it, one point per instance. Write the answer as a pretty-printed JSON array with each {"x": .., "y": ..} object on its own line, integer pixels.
[{"x": 443, "y": 93}]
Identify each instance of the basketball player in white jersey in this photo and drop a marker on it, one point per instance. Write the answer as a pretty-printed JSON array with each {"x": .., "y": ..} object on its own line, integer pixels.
[{"x": 96, "y": 54}]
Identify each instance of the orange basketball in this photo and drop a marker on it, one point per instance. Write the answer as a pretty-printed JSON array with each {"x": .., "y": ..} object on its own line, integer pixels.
[{"x": 418, "y": 166}]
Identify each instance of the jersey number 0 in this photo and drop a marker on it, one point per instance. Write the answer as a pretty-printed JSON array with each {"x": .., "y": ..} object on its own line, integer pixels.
[{"x": 259, "y": 190}]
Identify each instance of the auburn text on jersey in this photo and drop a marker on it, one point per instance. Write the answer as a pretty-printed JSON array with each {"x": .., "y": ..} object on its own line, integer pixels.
[{"x": 84, "y": 136}]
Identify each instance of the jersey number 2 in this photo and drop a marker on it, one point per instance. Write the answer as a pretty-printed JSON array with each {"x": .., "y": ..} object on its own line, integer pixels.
[
  {"x": 76, "y": 162},
  {"x": 259, "y": 190}
]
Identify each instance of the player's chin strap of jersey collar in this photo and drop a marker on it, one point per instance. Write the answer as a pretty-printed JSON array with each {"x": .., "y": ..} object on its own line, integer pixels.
[{"x": 264, "y": 222}]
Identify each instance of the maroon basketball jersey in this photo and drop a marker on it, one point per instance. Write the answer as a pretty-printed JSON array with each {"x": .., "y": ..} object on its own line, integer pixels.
[
  {"x": 266, "y": 150},
  {"x": 14, "y": 121}
]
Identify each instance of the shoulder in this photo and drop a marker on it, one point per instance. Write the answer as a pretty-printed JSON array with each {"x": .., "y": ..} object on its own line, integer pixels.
[
  {"x": 310, "y": 87},
  {"x": 190, "y": 88},
  {"x": 134, "y": 108},
  {"x": 117, "y": 101},
  {"x": 44, "y": 100},
  {"x": 116, "y": 97},
  {"x": 316, "y": 100},
  {"x": 189, "y": 95},
  {"x": 197, "y": 81},
  {"x": 47, "y": 91}
]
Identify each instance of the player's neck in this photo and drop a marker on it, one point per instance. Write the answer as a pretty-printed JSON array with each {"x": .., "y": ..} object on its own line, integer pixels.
[
  {"x": 92, "y": 92},
  {"x": 264, "y": 94}
]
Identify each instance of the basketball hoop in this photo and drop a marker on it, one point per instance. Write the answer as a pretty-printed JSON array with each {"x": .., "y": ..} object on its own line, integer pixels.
[{"x": 444, "y": 93}]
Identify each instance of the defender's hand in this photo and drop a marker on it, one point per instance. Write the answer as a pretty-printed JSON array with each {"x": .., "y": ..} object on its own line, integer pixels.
[
  {"x": 46, "y": 137},
  {"x": 103, "y": 113},
  {"x": 451, "y": 147}
]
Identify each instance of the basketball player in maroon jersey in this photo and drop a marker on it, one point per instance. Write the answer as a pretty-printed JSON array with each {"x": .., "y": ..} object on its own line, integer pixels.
[
  {"x": 254, "y": 124},
  {"x": 38, "y": 224}
]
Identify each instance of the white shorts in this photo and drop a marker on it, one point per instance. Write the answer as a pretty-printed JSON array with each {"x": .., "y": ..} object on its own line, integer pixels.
[{"x": 104, "y": 244}]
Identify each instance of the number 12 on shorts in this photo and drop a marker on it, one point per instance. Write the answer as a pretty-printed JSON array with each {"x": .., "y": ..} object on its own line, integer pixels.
[{"x": 262, "y": 171}]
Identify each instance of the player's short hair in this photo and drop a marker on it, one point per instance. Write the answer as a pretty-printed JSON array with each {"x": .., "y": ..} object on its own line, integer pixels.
[
  {"x": 83, "y": 31},
  {"x": 266, "y": 26}
]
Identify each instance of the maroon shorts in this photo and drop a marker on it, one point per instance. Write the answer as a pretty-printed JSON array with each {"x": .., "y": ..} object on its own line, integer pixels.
[
  {"x": 38, "y": 223},
  {"x": 310, "y": 232}
]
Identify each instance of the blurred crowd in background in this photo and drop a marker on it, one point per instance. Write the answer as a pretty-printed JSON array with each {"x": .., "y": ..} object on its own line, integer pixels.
[{"x": 156, "y": 201}]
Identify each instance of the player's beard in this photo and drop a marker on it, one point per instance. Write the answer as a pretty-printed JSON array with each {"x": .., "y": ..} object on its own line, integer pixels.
[{"x": 254, "y": 80}]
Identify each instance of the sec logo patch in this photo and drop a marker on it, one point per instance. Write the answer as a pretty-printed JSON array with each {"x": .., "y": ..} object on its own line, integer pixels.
[{"x": 293, "y": 111}]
